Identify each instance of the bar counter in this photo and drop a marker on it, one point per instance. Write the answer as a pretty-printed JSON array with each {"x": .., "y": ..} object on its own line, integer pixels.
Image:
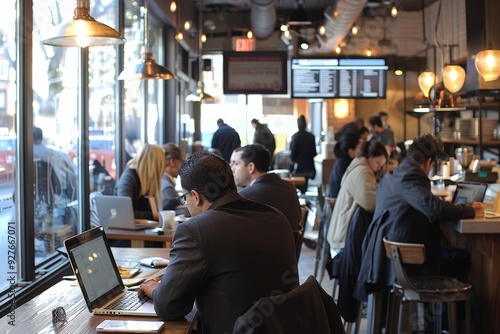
[{"x": 481, "y": 237}]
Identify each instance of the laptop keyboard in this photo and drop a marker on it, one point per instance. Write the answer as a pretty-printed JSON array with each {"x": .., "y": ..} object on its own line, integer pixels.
[{"x": 129, "y": 301}]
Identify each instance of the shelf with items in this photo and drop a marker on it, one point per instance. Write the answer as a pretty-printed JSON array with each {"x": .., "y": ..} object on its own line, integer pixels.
[{"x": 473, "y": 122}]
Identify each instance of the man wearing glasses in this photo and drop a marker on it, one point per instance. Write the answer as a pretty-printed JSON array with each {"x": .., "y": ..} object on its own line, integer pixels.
[{"x": 228, "y": 255}]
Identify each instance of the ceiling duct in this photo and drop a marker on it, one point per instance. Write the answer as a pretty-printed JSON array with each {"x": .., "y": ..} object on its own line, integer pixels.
[
  {"x": 263, "y": 18},
  {"x": 339, "y": 20}
]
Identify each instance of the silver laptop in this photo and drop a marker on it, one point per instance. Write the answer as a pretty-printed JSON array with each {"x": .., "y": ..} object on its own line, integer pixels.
[
  {"x": 118, "y": 212},
  {"x": 98, "y": 277}
]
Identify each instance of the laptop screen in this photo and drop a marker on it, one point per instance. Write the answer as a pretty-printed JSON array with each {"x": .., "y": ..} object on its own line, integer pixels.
[
  {"x": 94, "y": 267},
  {"x": 468, "y": 192}
]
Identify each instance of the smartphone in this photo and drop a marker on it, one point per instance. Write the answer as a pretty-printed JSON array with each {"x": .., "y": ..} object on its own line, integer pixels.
[{"x": 130, "y": 326}]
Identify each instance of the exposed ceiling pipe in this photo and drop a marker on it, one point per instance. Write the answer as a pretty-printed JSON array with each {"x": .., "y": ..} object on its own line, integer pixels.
[
  {"x": 338, "y": 23},
  {"x": 263, "y": 18}
]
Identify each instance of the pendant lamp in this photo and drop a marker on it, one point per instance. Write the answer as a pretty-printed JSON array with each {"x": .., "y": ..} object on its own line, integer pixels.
[
  {"x": 84, "y": 30},
  {"x": 488, "y": 64},
  {"x": 200, "y": 94},
  {"x": 425, "y": 81},
  {"x": 454, "y": 78},
  {"x": 147, "y": 69}
]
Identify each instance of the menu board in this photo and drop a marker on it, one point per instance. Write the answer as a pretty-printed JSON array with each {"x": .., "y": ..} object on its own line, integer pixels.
[{"x": 339, "y": 78}]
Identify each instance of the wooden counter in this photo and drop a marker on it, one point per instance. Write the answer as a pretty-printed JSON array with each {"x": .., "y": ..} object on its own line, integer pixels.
[
  {"x": 481, "y": 237},
  {"x": 138, "y": 237},
  {"x": 36, "y": 315}
]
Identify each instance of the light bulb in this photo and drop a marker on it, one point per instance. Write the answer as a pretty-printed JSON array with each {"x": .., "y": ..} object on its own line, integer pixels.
[
  {"x": 487, "y": 63},
  {"x": 453, "y": 78},
  {"x": 426, "y": 81}
]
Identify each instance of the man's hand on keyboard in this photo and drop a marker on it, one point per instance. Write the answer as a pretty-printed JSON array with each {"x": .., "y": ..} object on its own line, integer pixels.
[{"x": 147, "y": 288}]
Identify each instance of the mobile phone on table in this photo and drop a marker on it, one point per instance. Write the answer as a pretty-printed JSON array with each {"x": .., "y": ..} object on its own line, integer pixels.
[{"x": 130, "y": 326}]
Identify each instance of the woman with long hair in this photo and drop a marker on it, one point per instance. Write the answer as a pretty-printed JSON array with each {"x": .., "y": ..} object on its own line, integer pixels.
[{"x": 141, "y": 181}]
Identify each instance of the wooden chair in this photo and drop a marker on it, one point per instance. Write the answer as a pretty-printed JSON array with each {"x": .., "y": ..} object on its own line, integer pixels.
[{"x": 423, "y": 289}]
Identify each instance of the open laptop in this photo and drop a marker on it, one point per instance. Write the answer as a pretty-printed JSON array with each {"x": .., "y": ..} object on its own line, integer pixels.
[
  {"x": 468, "y": 192},
  {"x": 118, "y": 212},
  {"x": 102, "y": 287}
]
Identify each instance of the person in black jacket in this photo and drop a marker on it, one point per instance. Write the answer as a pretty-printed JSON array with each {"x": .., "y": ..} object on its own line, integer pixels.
[
  {"x": 227, "y": 256},
  {"x": 407, "y": 211},
  {"x": 225, "y": 139},
  {"x": 302, "y": 153}
]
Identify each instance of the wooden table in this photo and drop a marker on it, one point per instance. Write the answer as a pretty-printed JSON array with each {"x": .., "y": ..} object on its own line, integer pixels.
[
  {"x": 295, "y": 180},
  {"x": 35, "y": 316},
  {"x": 137, "y": 237},
  {"x": 481, "y": 237}
]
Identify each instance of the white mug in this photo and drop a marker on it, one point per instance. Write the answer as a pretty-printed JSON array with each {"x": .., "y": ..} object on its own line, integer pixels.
[{"x": 167, "y": 219}]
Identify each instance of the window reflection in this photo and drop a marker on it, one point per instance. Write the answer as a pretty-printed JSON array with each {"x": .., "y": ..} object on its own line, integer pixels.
[{"x": 7, "y": 131}]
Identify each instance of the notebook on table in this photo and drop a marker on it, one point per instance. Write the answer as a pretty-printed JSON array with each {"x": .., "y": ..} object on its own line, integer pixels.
[
  {"x": 98, "y": 277},
  {"x": 118, "y": 212}
]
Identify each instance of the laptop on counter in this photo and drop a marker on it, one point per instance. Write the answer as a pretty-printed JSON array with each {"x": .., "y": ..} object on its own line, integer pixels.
[
  {"x": 468, "y": 192},
  {"x": 118, "y": 212},
  {"x": 98, "y": 277}
]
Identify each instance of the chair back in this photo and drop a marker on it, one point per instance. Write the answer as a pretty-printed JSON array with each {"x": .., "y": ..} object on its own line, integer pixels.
[
  {"x": 306, "y": 309},
  {"x": 298, "y": 237},
  {"x": 405, "y": 253}
]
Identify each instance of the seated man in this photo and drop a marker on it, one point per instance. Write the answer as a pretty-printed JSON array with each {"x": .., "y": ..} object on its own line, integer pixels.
[
  {"x": 227, "y": 256},
  {"x": 250, "y": 165},
  {"x": 407, "y": 211}
]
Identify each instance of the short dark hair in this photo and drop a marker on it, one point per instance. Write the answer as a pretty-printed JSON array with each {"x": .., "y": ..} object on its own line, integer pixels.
[
  {"x": 375, "y": 120},
  {"x": 220, "y": 121},
  {"x": 382, "y": 114},
  {"x": 373, "y": 149},
  {"x": 346, "y": 142},
  {"x": 207, "y": 173},
  {"x": 256, "y": 153},
  {"x": 255, "y": 121},
  {"x": 301, "y": 122},
  {"x": 37, "y": 134},
  {"x": 425, "y": 147},
  {"x": 172, "y": 151}
]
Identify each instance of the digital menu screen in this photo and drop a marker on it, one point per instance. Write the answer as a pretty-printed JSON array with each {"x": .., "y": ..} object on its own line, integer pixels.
[{"x": 338, "y": 78}]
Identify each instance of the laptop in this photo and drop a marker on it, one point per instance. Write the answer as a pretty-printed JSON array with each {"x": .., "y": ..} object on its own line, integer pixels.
[
  {"x": 102, "y": 287},
  {"x": 118, "y": 212},
  {"x": 468, "y": 192}
]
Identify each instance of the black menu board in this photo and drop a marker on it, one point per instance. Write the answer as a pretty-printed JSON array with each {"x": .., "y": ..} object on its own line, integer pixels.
[{"x": 339, "y": 78}]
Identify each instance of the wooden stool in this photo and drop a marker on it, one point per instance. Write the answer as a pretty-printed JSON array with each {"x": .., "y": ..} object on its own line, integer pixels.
[{"x": 426, "y": 289}]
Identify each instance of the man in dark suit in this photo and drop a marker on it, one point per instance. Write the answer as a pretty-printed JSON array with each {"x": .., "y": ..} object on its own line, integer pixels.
[
  {"x": 250, "y": 165},
  {"x": 302, "y": 153},
  {"x": 225, "y": 139},
  {"x": 227, "y": 256},
  {"x": 264, "y": 136}
]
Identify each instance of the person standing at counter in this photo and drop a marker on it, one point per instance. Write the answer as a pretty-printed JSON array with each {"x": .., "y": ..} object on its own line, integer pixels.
[
  {"x": 407, "y": 211},
  {"x": 225, "y": 139},
  {"x": 302, "y": 153},
  {"x": 227, "y": 256},
  {"x": 141, "y": 180}
]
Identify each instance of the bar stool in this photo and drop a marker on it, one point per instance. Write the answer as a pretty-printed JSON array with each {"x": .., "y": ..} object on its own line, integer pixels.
[{"x": 425, "y": 289}]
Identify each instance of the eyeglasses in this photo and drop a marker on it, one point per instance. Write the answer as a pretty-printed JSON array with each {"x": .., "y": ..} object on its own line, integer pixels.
[
  {"x": 182, "y": 198},
  {"x": 58, "y": 315}
]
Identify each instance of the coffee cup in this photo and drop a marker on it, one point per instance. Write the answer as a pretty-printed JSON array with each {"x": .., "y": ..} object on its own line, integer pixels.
[{"x": 167, "y": 219}]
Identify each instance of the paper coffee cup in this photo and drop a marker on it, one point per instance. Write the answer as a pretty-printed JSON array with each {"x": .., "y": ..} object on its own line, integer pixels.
[{"x": 167, "y": 219}]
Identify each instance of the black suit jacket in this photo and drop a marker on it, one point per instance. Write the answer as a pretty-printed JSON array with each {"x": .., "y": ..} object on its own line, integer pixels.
[
  {"x": 225, "y": 259},
  {"x": 270, "y": 189}
]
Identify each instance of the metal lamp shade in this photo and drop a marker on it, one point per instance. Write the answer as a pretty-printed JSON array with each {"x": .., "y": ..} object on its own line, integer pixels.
[{"x": 84, "y": 31}]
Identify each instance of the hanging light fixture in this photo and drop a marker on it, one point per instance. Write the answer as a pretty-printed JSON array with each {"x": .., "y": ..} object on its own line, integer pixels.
[
  {"x": 148, "y": 68},
  {"x": 488, "y": 64},
  {"x": 84, "y": 30},
  {"x": 200, "y": 94},
  {"x": 426, "y": 80},
  {"x": 453, "y": 77}
]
